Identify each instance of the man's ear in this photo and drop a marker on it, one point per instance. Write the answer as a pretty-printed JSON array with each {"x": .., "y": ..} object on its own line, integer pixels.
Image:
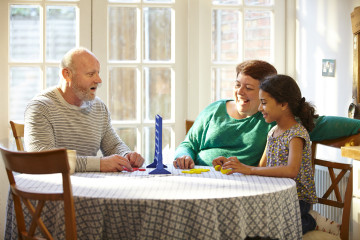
[{"x": 66, "y": 73}]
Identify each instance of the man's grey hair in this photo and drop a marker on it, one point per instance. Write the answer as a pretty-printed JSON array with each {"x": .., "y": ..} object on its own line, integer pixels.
[{"x": 67, "y": 60}]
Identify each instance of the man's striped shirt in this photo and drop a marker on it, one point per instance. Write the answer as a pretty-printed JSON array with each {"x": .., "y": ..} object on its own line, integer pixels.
[{"x": 51, "y": 122}]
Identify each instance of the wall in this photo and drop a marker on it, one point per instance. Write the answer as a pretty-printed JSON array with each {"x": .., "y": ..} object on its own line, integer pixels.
[
  {"x": 4, "y": 124},
  {"x": 324, "y": 32}
]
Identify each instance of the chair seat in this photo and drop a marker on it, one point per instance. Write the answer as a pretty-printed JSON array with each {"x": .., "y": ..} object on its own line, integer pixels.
[{"x": 320, "y": 235}]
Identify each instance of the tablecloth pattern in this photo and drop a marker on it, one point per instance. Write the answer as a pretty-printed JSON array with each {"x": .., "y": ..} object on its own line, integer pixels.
[{"x": 137, "y": 205}]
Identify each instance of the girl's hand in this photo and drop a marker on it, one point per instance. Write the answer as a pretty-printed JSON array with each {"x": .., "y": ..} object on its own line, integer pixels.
[
  {"x": 219, "y": 161},
  {"x": 236, "y": 166}
]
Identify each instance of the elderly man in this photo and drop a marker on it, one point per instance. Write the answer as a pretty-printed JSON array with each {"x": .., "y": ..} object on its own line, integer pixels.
[{"x": 71, "y": 116}]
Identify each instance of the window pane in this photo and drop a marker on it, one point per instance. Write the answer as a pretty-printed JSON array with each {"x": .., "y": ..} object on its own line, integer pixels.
[
  {"x": 52, "y": 76},
  {"x": 225, "y": 35},
  {"x": 259, "y": 2},
  {"x": 25, "y": 83},
  {"x": 159, "y": 1},
  {"x": 150, "y": 144},
  {"x": 224, "y": 2},
  {"x": 257, "y": 42},
  {"x": 64, "y": 0},
  {"x": 222, "y": 83},
  {"x": 61, "y": 31},
  {"x": 25, "y": 33},
  {"x": 122, "y": 33},
  {"x": 157, "y": 93},
  {"x": 157, "y": 34},
  {"x": 125, "y": 1},
  {"x": 122, "y": 93},
  {"x": 129, "y": 137}
]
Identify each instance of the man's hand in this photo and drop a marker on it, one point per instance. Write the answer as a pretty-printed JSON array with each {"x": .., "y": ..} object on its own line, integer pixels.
[
  {"x": 184, "y": 162},
  {"x": 135, "y": 159},
  {"x": 219, "y": 161},
  {"x": 114, "y": 163}
]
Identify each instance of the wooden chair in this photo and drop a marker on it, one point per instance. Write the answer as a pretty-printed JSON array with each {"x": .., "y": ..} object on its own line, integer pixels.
[
  {"x": 188, "y": 125},
  {"x": 18, "y": 133},
  {"x": 343, "y": 202},
  {"x": 46, "y": 162}
]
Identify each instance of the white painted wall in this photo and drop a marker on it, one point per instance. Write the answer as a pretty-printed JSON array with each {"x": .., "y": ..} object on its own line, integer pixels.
[
  {"x": 324, "y": 32},
  {"x": 4, "y": 124}
]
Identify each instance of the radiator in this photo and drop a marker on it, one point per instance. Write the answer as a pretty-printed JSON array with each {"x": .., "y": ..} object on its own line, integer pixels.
[{"x": 322, "y": 181}]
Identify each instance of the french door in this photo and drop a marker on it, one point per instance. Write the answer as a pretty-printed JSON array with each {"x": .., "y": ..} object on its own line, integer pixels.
[{"x": 142, "y": 46}]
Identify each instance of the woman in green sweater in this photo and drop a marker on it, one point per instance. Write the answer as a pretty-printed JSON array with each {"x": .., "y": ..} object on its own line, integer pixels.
[{"x": 230, "y": 127}]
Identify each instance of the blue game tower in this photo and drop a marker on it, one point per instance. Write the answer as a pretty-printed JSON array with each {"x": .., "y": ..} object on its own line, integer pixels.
[{"x": 158, "y": 163}]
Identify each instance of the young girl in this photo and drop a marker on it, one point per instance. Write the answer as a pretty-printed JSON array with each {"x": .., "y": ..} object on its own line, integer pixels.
[{"x": 288, "y": 150}]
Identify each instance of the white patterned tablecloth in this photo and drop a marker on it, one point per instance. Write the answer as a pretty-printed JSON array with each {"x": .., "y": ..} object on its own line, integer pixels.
[{"x": 137, "y": 205}]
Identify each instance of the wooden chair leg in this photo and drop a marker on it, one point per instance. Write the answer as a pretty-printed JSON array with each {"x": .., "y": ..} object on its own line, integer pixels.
[{"x": 36, "y": 220}]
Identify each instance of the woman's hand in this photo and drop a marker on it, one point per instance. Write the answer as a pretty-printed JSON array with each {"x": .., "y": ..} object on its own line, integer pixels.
[
  {"x": 184, "y": 162},
  {"x": 236, "y": 166},
  {"x": 219, "y": 161}
]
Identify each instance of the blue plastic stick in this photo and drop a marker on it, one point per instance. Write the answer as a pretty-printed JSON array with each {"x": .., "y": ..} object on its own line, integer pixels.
[{"x": 158, "y": 149}]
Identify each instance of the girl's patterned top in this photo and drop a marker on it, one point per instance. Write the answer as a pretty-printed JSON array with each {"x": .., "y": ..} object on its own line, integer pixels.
[{"x": 277, "y": 154}]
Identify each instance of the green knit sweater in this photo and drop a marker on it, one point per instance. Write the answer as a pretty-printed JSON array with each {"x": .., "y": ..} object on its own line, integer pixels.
[{"x": 215, "y": 134}]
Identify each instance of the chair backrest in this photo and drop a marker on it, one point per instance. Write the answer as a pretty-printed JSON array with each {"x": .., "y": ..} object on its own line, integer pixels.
[
  {"x": 45, "y": 162},
  {"x": 188, "y": 125},
  {"x": 344, "y": 201},
  {"x": 18, "y": 133}
]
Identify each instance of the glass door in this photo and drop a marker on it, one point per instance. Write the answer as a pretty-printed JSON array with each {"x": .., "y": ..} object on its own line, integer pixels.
[{"x": 138, "y": 45}]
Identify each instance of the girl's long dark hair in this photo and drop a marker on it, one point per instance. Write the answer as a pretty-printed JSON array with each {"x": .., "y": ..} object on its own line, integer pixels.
[{"x": 284, "y": 89}]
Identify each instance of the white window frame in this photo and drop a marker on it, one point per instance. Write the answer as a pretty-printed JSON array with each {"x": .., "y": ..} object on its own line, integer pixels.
[
  {"x": 178, "y": 63},
  {"x": 84, "y": 40},
  {"x": 199, "y": 52}
]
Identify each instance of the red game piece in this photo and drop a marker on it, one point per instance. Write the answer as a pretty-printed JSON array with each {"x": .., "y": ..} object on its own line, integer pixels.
[{"x": 134, "y": 169}]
